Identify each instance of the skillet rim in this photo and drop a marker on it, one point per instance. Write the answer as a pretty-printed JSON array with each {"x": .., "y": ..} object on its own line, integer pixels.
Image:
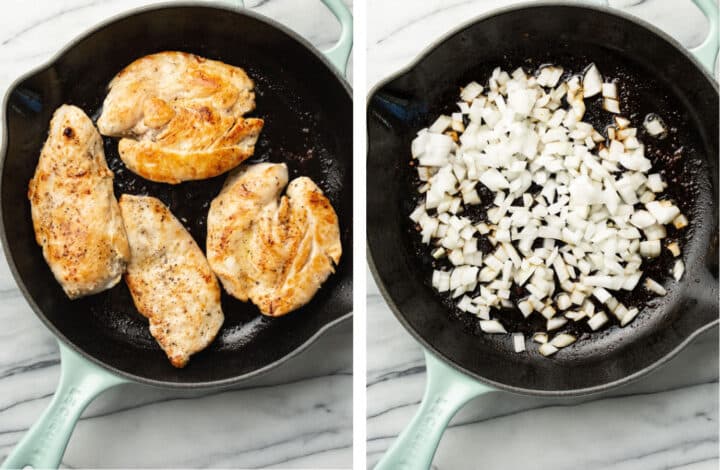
[
  {"x": 419, "y": 58},
  {"x": 54, "y": 59}
]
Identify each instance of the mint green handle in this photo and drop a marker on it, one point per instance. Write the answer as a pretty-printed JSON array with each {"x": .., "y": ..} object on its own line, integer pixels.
[
  {"x": 339, "y": 54},
  {"x": 707, "y": 52},
  {"x": 80, "y": 382},
  {"x": 446, "y": 391}
]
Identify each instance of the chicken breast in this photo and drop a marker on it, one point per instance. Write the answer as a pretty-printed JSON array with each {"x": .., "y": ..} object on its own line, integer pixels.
[
  {"x": 170, "y": 280},
  {"x": 74, "y": 211},
  {"x": 275, "y": 251},
  {"x": 180, "y": 117}
]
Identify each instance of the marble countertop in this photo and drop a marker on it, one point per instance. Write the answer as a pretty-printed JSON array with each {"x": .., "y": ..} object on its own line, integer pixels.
[
  {"x": 667, "y": 420},
  {"x": 297, "y": 416}
]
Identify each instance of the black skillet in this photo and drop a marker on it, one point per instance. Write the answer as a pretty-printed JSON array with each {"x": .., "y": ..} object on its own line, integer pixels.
[
  {"x": 655, "y": 74},
  {"x": 307, "y": 107}
]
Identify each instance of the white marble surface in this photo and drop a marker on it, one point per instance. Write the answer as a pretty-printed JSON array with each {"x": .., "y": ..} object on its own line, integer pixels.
[
  {"x": 298, "y": 416},
  {"x": 667, "y": 420}
]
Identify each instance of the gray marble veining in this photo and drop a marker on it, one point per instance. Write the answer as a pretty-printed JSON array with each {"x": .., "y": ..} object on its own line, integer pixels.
[
  {"x": 668, "y": 419},
  {"x": 297, "y": 416}
]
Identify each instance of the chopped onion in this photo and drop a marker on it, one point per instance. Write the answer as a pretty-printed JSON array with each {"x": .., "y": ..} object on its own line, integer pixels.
[
  {"x": 441, "y": 124},
  {"x": 611, "y": 105},
  {"x": 654, "y": 125},
  {"x": 471, "y": 91},
  {"x": 609, "y": 90},
  {"x": 562, "y": 340},
  {"x": 650, "y": 249},
  {"x": 592, "y": 82},
  {"x": 540, "y": 338},
  {"x": 680, "y": 222},
  {"x": 549, "y": 76},
  {"x": 653, "y": 286},
  {"x": 678, "y": 270},
  {"x": 492, "y": 326},
  {"x": 518, "y": 342},
  {"x": 663, "y": 211},
  {"x": 555, "y": 323},
  {"x": 547, "y": 349},
  {"x": 597, "y": 320},
  {"x": 597, "y": 212},
  {"x": 629, "y": 316}
]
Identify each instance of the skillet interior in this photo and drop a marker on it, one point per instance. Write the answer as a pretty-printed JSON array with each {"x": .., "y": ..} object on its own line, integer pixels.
[
  {"x": 308, "y": 119},
  {"x": 654, "y": 77}
]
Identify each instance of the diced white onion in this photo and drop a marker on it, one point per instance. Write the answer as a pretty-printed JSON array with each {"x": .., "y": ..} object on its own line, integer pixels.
[
  {"x": 492, "y": 326},
  {"x": 562, "y": 340},
  {"x": 612, "y": 106},
  {"x": 547, "y": 349},
  {"x": 598, "y": 320},
  {"x": 653, "y": 286},
  {"x": 540, "y": 338},
  {"x": 678, "y": 270},
  {"x": 609, "y": 90},
  {"x": 654, "y": 125},
  {"x": 592, "y": 82},
  {"x": 518, "y": 342},
  {"x": 584, "y": 233}
]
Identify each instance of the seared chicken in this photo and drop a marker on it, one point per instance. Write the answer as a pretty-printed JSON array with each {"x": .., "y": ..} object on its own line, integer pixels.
[
  {"x": 170, "y": 280},
  {"x": 76, "y": 217},
  {"x": 275, "y": 251},
  {"x": 180, "y": 117}
]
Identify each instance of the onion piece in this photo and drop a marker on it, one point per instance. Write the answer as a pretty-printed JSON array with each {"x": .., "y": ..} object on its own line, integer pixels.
[
  {"x": 674, "y": 249},
  {"x": 654, "y": 125},
  {"x": 492, "y": 326},
  {"x": 563, "y": 340},
  {"x": 598, "y": 320},
  {"x": 471, "y": 91},
  {"x": 612, "y": 106},
  {"x": 653, "y": 286},
  {"x": 609, "y": 90},
  {"x": 592, "y": 82},
  {"x": 629, "y": 316},
  {"x": 650, "y": 249},
  {"x": 664, "y": 211},
  {"x": 549, "y": 76},
  {"x": 540, "y": 338},
  {"x": 678, "y": 270},
  {"x": 547, "y": 349},
  {"x": 555, "y": 323},
  {"x": 680, "y": 222},
  {"x": 518, "y": 342},
  {"x": 441, "y": 124}
]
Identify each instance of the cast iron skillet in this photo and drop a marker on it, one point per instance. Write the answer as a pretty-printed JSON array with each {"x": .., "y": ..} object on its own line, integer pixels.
[
  {"x": 655, "y": 74},
  {"x": 307, "y": 107}
]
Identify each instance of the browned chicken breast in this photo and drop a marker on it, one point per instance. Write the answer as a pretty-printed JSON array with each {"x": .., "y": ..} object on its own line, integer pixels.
[
  {"x": 275, "y": 251},
  {"x": 180, "y": 117},
  {"x": 76, "y": 217},
  {"x": 170, "y": 280}
]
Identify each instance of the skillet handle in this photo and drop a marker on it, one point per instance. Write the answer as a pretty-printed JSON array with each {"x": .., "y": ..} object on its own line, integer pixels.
[
  {"x": 80, "y": 382},
  {"x": 707, "y": 52},
  {"x": 339, "y": 54},
  {"x": 445, "y": 392}
]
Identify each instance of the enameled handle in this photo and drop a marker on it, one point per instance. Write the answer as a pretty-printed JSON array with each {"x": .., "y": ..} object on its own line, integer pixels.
[
  {"x": 707, "y": 52},
  {"x": 339, "y": 54},
  {"x": 446, "y": 391},
  {"x": 80, "y": 382}
]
